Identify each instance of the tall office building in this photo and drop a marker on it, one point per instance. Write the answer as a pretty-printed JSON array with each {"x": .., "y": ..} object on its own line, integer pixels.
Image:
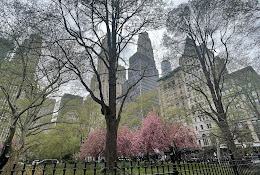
[
  {"x": 14, "y": 81},
  {"x": 142, "y": 74},
  {"x": 6, "y": 46}
]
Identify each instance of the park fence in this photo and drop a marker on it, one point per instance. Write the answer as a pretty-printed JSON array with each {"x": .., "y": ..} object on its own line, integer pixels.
[{"x": 139, "y": 168}]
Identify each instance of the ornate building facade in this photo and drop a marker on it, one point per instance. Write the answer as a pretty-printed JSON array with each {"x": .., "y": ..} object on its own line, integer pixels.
[{"x": 181, "y": 103}]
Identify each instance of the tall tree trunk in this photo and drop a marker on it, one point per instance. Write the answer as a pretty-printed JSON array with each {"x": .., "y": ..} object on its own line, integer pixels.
[
  {"x": 226, "y": 133},
  {"x": 111, "y": 143},
  {"x": 7, "y": 147},
  {"x": 111, "y": 114}
]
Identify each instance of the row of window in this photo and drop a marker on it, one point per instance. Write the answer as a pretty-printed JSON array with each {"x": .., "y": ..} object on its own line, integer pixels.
[
  {"x": 200, "y": 118},
  {"x": 205, "y": 140},
  {"x": 202, "y": 127},
  {"x": 179, "y": 104},
  {"x": 172, "y": 92}
]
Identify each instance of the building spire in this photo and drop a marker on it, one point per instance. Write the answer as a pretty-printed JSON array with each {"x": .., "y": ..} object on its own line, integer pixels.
[{"x": 144, "y": 45}]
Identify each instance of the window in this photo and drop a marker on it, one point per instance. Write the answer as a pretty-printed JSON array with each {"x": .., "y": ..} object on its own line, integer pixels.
[
  {"x": 205, "y": 139},
  {"x": 209, "y": 125},
  {"x": 200, "y": 142},
  {"x": 196, "y": 128},
  {"x": 201, "y": 126}
]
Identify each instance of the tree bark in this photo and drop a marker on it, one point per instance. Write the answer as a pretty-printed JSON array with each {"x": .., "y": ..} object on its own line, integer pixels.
[
  {"x": 226, "y": 133},
  {"x": 111, "y": 143},
  {"x": 7, "y": 147},
  {"x": 111, "y": 114}
]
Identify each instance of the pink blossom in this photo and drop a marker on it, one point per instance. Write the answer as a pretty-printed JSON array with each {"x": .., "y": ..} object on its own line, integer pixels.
[
  {"x": 180, "y": 137},
  {"x": 152, "y": 135},
  {"x": 125, "y": 145},
  {"x": 94, "y": 145}
]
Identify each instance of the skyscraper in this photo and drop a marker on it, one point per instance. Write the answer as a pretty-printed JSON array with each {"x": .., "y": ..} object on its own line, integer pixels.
[{"x": 142, "y": 74}]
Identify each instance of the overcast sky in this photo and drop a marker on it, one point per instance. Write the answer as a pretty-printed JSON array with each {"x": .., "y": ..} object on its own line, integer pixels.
[{"x": 76, "y": 88}]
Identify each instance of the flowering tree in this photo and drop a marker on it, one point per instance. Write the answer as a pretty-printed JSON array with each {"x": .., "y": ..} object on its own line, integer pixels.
[
  {"x": 125, "y": 146},
  {"x": 95, "y": 144},
  {"x": 152, "y": 135},
  {"x": 180, "y": 137}
]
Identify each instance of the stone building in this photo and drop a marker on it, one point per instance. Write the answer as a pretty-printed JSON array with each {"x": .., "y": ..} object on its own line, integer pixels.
[
  {"x": 142, "y": 74},
  {"x": 181, "y": 103},
  {"x": 244, "y": 111},
  {"x": 103, "y": 73},
  {"x": 46, "y": 115},
  {"x": 70, "y": 106}
]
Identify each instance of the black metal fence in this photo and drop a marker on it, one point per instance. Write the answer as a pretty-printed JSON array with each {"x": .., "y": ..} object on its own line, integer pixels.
[{"x": 138, "y": 168}]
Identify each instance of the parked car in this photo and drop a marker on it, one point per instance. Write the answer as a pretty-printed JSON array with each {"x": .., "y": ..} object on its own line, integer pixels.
[{"x": 48, "y": 161}]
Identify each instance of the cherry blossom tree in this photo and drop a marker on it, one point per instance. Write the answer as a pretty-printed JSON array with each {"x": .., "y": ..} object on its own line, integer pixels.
[
  {"x": 125, "y": 142},
  {"x": 180, "y": 137},
  {"x": 155, "y": 135},
  {"x": 94, "y": 146},
  {"x": 152, "y": 135}
]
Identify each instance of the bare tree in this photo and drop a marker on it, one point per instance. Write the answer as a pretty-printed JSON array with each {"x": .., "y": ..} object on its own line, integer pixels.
[
  {"x": 26, "y": 82},
  {"x": 104, "y": 27},
  {"x": 212, "y": 29}
]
